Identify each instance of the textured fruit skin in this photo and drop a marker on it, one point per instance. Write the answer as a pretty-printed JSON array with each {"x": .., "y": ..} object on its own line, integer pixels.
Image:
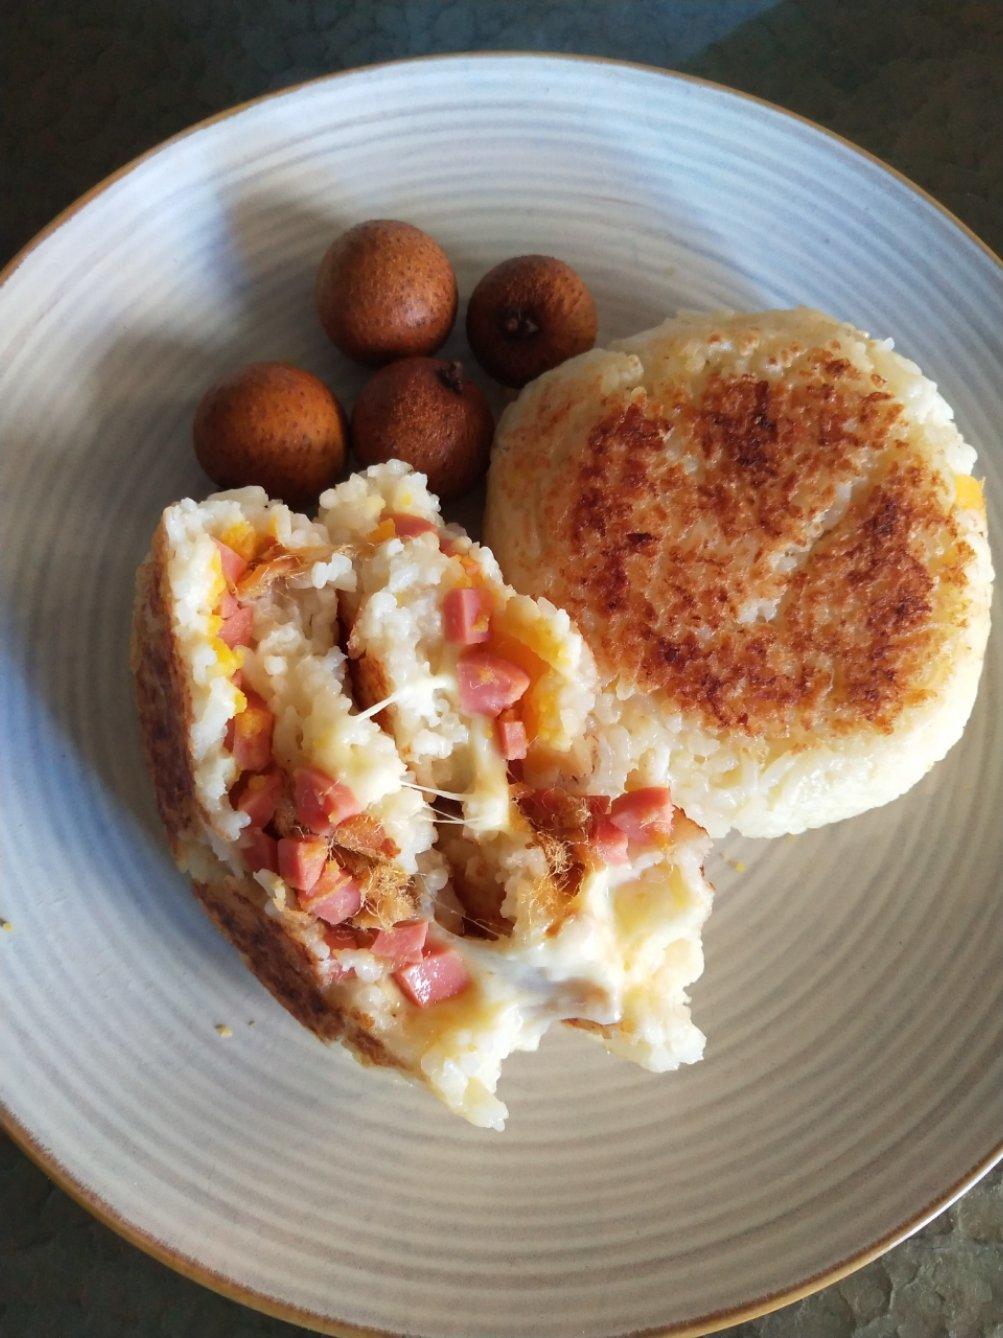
[
  {"x": 527, "y": 315},
  {"x": 275, "y": 425},
  {"x": 386, "y": 290},
  {"x": 429, "y": 413}
]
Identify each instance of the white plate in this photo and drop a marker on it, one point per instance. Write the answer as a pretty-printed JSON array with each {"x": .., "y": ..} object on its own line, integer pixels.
[{"x": 852, "y": 997}]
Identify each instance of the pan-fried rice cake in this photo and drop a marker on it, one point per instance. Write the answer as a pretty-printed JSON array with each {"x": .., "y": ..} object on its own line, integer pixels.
[
  {"x": 596, "y": 895},
  {"x": 767, "y": 529},
  {"x": 291, "y": 810}
]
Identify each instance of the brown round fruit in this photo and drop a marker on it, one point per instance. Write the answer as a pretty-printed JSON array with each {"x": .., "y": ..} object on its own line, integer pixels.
[
  {"x": 386, "y": 290},
  {"x": 527, "y": 315},
  {"x": 274, "y": 425},
  {"x": 429, "y": 413}
]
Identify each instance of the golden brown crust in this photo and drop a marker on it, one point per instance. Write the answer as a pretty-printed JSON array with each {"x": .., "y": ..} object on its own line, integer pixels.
[
  {"x": 236, "y": 906},
  {"x": 285, "y": 969},
  {"x": 162, "y": 699},
  {"x": 369, "y": 683},
  {"x": 677, "y": 513}
]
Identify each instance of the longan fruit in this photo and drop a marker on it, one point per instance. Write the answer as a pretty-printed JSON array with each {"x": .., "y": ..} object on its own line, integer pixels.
[
  {"x": 428, "y": 413},
  {"x": 527, "y": 315},
  {"x": 275, "y": 425},
  {"x": 386, "y": 290}
]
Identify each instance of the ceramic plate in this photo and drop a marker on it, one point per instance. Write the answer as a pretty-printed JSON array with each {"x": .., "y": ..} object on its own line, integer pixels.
[{"x": 852, "y": 996}]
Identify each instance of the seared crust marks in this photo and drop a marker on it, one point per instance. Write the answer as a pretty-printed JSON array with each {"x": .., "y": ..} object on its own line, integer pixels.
[
  {"x": 772, "y": 556},
  {"x": 165, "y": 711},
  {"x": 236, "y": 906},
  {"x": 879, "y": 598},
  {"x": 284, "y": 967}
]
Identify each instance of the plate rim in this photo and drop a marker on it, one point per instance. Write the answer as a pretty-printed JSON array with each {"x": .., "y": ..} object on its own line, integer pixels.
[{"x": 185, "y": 1265}]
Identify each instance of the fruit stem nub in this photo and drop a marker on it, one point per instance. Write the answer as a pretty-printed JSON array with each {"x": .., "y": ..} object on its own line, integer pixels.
[
  {"x": 451, "y": 376},
  {"x": 518, "y": 324}
]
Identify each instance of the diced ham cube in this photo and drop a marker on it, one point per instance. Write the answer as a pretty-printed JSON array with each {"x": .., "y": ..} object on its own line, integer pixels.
[
  {"x": 249, "y": 734},
  {"x": 334, "y": 897},
  {"x": 237, "y": 629},
  {"x": 489, "y": 684},
  {"x": 401, "y": 945},
  {"x": 381, "y": 532},
  {"x": 228, "y": 605},
  {"x": 511, "y": 734},
  {"x": 451, "y": 545},
  {"x": 337, "y": 973},
  {"x": 340, "y": 937},
  {"x": 257, "y": 794},
  {"x": 259, "y": 850},
  {"x": 408, "y": 527},
  {"x": 232, "y": 563},
  {"x": 441, "y": 974},
  {"x": 609, "y": 842},
  {"x": 301, "y": 860},
  {"x": 337, "y": 938},
  {"x": 642, "y": 814},
  {"x": 321, "y": 801},
  {"x": 466, "y": 615}
]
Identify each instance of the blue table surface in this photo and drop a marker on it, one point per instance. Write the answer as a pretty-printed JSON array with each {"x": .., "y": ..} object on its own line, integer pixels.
[{"x": 87, "y": 87}]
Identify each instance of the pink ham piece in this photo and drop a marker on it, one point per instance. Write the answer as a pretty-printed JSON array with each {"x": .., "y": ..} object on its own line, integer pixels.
[
  {"x": 237, "y": 629},
  {"x": 451, "y": 546},
  {"x": 642, "y": 814},
  {"x": 337, "y": 973},
  {"x": 334, "y": 897},
  {"x": 512, "y": 742},
  {"x": 228, "y": 605},
  {"x": 609, "y": 842},
  {"x": 339, "y": 937},
  {"x": 489, "y": 684},
  {"x": 465, "y": 617},
  {"x": 301, "y": 860},
  {"x": 401, "y": 945},
  {"x": 257, "y": 794},
  {"x": 259, "y": 850},
  {"x": 232, "y": 563},
  {"x": 408, "y": 527},
  {"x": 249, "y": 734},
  {"x": 321, "y": 801},
  {"x": 441, "y": 974}
]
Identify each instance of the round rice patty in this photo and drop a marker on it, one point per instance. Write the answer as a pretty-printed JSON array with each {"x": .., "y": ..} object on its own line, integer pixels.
[{"x": 766, "y": 528}]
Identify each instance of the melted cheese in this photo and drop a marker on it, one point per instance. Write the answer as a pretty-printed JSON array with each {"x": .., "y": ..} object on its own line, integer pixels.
[
  {"x": 487, "y": 804},
  {"x": 242, "y": 538},
  {"x": 969, "y": 492}
]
